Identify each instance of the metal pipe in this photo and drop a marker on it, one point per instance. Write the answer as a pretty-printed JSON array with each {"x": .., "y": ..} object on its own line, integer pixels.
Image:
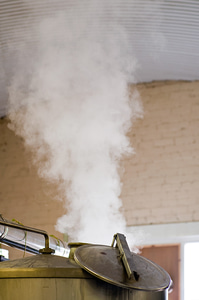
[{"x": 30, "y": 239}]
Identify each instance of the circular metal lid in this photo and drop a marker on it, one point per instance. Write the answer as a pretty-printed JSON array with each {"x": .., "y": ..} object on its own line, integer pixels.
[{"x": 105, "y": 263}]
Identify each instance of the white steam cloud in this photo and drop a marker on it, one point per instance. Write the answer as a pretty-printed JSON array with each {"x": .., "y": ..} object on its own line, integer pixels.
[{"x": 70, "y": 101}]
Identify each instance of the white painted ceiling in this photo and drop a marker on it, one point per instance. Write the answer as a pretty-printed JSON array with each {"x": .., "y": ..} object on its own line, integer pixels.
[{"x": 163, "y": 34}]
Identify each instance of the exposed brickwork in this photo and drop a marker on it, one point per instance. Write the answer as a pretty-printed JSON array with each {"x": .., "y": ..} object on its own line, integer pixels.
[
  {"x": 161, "y": 180},
  {"x": 23, "y": 195}
]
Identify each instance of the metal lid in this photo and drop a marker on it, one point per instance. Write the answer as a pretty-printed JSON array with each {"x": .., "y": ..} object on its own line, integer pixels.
[{"x": 109, "y": 264}]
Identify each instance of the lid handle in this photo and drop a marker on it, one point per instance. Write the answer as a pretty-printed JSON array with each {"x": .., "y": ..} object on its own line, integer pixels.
[{"x": 126, "y": 255}]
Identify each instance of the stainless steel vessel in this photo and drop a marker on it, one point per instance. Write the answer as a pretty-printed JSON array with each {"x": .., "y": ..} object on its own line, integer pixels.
[{"x": 91, "y": 272}]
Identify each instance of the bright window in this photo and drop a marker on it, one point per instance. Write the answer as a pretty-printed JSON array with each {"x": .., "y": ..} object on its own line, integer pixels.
[
  {"x": 4, "y": 253},
  {"x": 191, "y": 271}
]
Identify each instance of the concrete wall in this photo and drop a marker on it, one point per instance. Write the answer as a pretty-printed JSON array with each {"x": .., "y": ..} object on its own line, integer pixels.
[{"x": 160, "y": 182}]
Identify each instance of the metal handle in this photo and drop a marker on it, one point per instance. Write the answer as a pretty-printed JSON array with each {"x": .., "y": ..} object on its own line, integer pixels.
[
  {"x": 46, "y": 250},
  {"x": 126, "y": 255}
]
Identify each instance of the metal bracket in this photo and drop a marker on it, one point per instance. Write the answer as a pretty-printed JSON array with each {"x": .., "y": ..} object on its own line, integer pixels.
[
  {"x": 46, "y": 250},
  {"x": 126, "y": 255}
]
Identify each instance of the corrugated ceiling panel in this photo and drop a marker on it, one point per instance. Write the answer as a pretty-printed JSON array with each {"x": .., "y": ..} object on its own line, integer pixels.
[{"x": 163, "y": 35}]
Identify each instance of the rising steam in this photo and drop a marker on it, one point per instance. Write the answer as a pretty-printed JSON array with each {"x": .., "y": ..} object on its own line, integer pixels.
[{"x": 70, "y": 101}]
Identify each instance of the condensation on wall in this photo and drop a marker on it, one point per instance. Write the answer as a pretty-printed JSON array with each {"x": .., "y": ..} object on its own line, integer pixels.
[{"x": 160, "y": 182}]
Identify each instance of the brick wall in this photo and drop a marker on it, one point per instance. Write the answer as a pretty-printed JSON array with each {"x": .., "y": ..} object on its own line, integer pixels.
[
  {"x": 160, "y": 182},
  {"x": 23, "y": 195}
]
